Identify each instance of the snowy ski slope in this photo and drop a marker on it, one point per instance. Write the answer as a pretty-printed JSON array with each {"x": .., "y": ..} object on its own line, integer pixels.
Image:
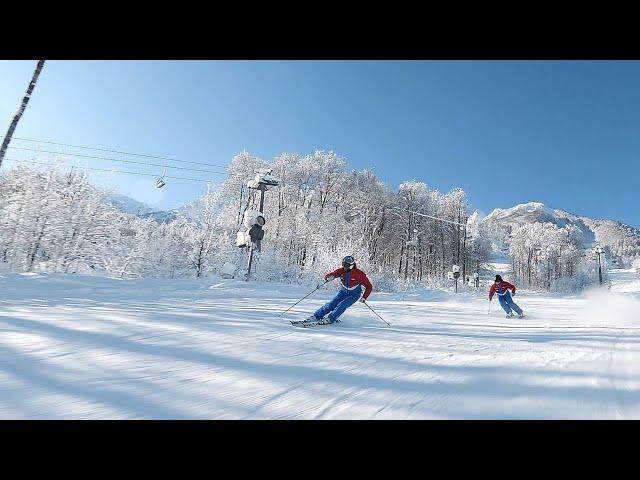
[{"x": 74, "y": 347}]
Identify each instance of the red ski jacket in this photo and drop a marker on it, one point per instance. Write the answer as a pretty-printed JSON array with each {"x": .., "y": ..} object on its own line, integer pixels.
[
  {"x": 500, "y": 288},
  {"x": 356, "y": 277}
]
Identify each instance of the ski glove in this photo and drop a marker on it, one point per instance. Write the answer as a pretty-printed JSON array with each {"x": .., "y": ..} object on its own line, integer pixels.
[
  {"x": 513, "y": 294},
  {"x": 362, "y": 299}
]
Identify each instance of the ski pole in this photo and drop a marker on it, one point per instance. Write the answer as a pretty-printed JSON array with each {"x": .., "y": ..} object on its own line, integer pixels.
[
  {"x": 489, "y": 312},
  {"x": 376, "y": 313},
  {"x": 327, "y": 281}
]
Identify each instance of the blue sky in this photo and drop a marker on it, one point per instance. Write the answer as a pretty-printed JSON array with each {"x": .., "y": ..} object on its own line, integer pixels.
[{"x": 565, "y": 133}]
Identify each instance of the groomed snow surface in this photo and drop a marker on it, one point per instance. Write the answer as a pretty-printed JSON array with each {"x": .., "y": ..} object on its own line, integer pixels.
[{"x": 74, "y": 347}]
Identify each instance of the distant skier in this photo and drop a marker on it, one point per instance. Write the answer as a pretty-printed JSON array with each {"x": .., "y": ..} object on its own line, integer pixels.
[
  {"x": 504, "y": 296},
  {"x": 354, "y": 281}
]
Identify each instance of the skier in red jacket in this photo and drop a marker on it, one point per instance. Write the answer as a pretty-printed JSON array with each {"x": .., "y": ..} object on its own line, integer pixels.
[
  {"x": 504, "y": 296},
  {"x": 354, "y": 281}
]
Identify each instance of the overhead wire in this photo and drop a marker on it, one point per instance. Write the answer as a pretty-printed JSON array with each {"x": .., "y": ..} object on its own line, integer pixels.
[
  {"x": 117, "y": 151},
  {"x": 49, "y": 164},
  {"x": 105, "y": 170},
  {"x": 429, "y": 216},
  {"x": 115, "y": 160}
]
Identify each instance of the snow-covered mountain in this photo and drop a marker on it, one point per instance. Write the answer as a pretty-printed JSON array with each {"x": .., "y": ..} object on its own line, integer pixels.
[
  {"x": 129, "y": 205},
  {"x": 622, "y": 239},
  {"x": 475, "y": 218},
  {"x": 520, "y": 214}
]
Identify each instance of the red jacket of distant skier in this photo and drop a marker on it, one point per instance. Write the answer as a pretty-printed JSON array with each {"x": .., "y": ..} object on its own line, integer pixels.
[
  {"x": 356, "y": 277},
  {"x": 501, "y": 288}
]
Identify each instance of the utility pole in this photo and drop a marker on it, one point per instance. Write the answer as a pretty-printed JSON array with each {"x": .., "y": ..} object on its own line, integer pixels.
[
  {"x": 23, "y": 106},
  {"x": 262, "y": 189},
  {"x": 254, "y": 221},
  {"x": 477, "y": 273},
  {"x": 599, "y": 251},
  {"x": 456, "y": 274},
  {"x": 254, "y": 244}
]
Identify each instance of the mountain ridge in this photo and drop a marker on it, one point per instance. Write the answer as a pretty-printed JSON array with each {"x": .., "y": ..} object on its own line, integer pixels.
[
  {"x": 128, "y": 205},
  {"x": 622, "y": 240}
]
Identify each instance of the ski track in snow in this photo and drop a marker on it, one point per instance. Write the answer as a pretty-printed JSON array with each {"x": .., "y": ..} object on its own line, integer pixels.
[{"x": 100, "y": 348}]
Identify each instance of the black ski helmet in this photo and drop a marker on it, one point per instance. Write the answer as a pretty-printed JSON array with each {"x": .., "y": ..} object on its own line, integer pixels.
[
  {"x": 348, "y": 262},
  {"x": 498, "y": 278}
]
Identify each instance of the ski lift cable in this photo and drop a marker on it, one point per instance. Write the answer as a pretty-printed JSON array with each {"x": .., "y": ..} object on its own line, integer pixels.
[
  {"x": 429, "y": 216},
  {"x": 114, "y": 171},
  {"x": 118, "y": 151},
  {"x": 114, "y": 159},
  {"x": 107, "y": 170}
]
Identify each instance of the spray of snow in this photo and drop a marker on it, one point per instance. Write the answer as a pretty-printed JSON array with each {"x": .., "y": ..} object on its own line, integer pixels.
[{"x": 611, "y": 308}]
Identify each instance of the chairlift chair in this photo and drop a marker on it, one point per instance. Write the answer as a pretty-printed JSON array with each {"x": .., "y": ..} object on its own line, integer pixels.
[{"x": 160, "y": 181}]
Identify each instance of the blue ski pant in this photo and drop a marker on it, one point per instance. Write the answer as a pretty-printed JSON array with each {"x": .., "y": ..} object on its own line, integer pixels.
[
  {"x": 338, "y": 304},
  {"x": 506, "y": 302}
]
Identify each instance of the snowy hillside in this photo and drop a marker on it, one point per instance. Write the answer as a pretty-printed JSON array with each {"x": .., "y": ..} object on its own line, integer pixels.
[
  {"x": 623, "y": 240},
  {"x": 129, "y": 205},
  {"x": 520, "y": 214},
  {"x": 532, "y": 212},
  {"x": 99, "y": 348}
]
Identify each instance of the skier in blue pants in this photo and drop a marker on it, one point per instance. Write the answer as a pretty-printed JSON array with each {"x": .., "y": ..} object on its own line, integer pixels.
[
  {"x": 503, "y": 288},
  {"x": 338, "y": 304},
  {"x": 355, "y": 286}
]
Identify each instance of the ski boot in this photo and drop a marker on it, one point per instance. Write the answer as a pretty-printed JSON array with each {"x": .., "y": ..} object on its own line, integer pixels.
[
  {"x": 509, "y": 315},
  {"x": 521, "y": 315},
  {"x": 324, "y": 321}
]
